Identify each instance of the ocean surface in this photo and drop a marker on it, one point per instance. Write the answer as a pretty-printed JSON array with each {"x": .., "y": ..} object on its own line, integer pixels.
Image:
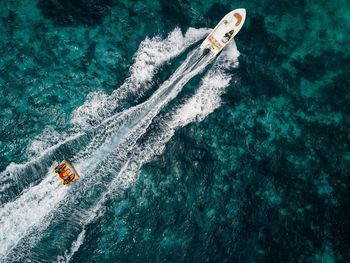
[{"x": 241, "y": 158}]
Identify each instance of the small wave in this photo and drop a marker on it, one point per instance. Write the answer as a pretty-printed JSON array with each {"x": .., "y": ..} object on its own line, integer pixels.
[{"x": 75, "y": 246}]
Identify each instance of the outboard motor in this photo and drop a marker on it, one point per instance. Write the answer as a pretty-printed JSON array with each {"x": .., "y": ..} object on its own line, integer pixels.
[{"x": 206, "y": 51}]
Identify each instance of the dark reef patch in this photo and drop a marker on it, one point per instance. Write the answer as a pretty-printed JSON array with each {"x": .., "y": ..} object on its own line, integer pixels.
[
  {"x": 177, "y": 12},
  {"x": 76, "y": 12},
  {"x": 90, "y": 53},
  {"x": 214, "y": 13}
]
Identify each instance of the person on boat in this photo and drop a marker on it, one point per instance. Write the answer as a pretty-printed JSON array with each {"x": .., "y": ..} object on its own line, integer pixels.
[
  {"x": 68, "y": 179},
  {"x": 60, "y": 168},
  {"x": 67, "y": 176},
  {"x": 64, "y": 173},
  {"x": 227, "y": 36}
]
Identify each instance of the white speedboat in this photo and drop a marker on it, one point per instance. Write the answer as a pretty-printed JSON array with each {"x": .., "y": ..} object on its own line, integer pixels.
[{"x": 224, "y": 32}]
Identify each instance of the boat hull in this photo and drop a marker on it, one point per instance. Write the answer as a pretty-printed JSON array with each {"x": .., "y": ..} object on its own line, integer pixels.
[{"x": 225, "y": 31}]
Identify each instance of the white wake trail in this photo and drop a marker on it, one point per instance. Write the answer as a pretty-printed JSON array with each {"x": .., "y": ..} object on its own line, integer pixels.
[
  {"x": 205, "y": 100},
  {"x": 19, "y": 217},
  {"x": 151, "y": 55}
]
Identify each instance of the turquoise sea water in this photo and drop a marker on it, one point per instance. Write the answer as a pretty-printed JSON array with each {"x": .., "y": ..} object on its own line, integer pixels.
[{"x": 249, "y": 161}]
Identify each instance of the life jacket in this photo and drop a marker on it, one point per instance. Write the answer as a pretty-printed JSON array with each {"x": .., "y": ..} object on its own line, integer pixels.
[{"x": 64, "y": 173}]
